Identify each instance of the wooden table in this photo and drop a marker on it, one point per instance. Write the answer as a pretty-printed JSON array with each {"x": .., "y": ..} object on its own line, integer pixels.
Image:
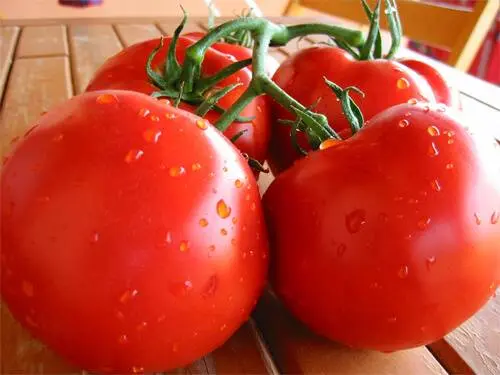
[{"x": 45, "y": 62}]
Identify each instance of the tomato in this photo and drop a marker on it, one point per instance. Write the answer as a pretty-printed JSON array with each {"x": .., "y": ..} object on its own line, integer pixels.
[
  {"x": 384, "y": 82},
  {"x": 132, "y": 236},
  {"x": 377, "y": 239},
  {"x": 126, "y": 70}
]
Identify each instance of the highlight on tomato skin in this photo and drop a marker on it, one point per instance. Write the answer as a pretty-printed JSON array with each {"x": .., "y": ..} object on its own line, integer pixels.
[
  {"x": 133, "y": 238},
  {"x": 376, "y": 243}
]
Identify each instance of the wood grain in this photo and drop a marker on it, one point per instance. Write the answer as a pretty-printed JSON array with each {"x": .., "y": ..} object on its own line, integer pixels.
[
  {"x": 35, "y": 85},
  {"x": 168, "y": 27},
  {"x": 8, "y": 40},
  {"x": 134, "y": 33},
  {"x": 42, "y": 41},
  {"x": 90, "y": 46},
  {"x": 296, "y": 350}
]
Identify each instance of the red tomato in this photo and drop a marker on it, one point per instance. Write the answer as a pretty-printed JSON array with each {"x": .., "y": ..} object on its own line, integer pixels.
[
  {"x": 126, "y": 70},
  {"x": 378, "y": 238},
  {"x": 384, "y": 82},
  {"x": 132, "y": 234}
]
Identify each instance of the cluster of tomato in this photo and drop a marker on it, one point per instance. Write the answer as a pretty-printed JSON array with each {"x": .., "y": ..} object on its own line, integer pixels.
[{"x": 134, "y": 237}]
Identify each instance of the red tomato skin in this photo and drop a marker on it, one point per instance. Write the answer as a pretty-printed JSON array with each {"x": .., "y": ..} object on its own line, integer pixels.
[
  {"x": 385, "y": 83},
  {"x": 377, "y": 240},
  {"x": 444, "y": 93},
  {"x": 126, "y": 71},
  {"x": 115, "y": 250}
]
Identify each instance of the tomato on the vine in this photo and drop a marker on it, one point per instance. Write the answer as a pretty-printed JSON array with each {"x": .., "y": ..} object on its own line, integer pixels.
[
  {"x": 127, "y": 70},
  {"x": 132, "y": 237},
  {"x": 378, "y": 238},
  {"x": 384, "y": 83}
]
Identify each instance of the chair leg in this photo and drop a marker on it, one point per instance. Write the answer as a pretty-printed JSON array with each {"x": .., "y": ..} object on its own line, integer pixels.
[{"x": 293, "y": 9}]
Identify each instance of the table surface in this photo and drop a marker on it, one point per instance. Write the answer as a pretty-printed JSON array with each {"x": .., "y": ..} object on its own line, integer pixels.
[{"x": 45, "y": 62}]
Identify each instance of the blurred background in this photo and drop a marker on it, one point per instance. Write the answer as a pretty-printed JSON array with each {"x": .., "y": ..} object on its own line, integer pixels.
[{"x": 485, "y": 64}]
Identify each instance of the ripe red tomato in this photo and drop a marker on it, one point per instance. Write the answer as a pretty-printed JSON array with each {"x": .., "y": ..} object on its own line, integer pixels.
[
  {"x": 384, "y": 82},
  {"x": 126, "y": 70},
  {"x": 132, "y": 234},
  {"x": 378, "y": 238}
]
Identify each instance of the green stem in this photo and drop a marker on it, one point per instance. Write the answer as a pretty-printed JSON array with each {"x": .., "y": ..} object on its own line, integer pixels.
[
  {"x": 394, "y": 27},
  {"x": 207, "y": 82},
  {"x": 352, "y": 37},
  {"x": 232, "y": 113}
]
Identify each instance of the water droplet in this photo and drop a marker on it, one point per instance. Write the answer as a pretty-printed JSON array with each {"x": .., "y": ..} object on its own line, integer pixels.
[
  {"x": 477, "y": 218},
  {"x": 164, "y": 101},
  {"x": 184, "y": 246},
  {"x": 58, "y": 138},
  {"x": 327, "y": 143},
  {"x": 247, "y": 197},
  {"x": 196, "y": 167},
  {"x": 27, "y": 288},
  {"x": 175, "y": 347},
  {"x": 355, "y": 220},
  {"x": 433, "y": 150},
  {"x": 176, "y": 171},
  {"x": 449, "y": 166},
  {"x": 119, "y": 315},
  {"x": 426, "y": 109},
  {"x": 225, "y": 169},
  {"x": 123, "y": 339},
  {"x": 402, "y": 83},
  {"x": 94, "y": 238},
  {"x": 202, "y": 124},
  {"x": 392, "y": 319},
  {"x": 341, "y": 250},
  {"x": 137, "y": 370},
  {"x": 141, "y": 326},
  {"x": 233, "y": 241},
  {"x": 403, "y": 123},
  {"x": 106, "y": 99},
  {"x": 451, "y": 141},
  {"x": 223, "y": 327},
  {"x": 494, "y": 217},
  {"x": 383, "y": 217},
  {"x": 211, "y": 248},
  {"x": 244, "y": 255},
  {"x": 429, "y": 262},
  {"x": 223, "y": 210},
  {"x": 223, "y": 232},
  {"x": 161, "y": 318},
  {"x": 210, "y": 286},
  {"x": 398, "y": 198},
  {"x": 441, "y": 108},
  {"x": 128, "y": 295},
  {"x": 133, "y": 155},
  {"x": 403, "y": 272},
  {"x": 253, "y": 206},
  {"x": 143, "y": 112},
  {"x": 238, "y": 183},
  {"x": 423, "y": 223},
  {"x": 412, "y": 101},
  {"x": 169, "y": 116},
  {"x": 151, "y": 135},
  {"x": 154, "y": 118},
  {"x": 412, "y": 201},
  {"x": 203, "y": 222},
  {"x": 433, "y": 131},
  {"x": 234, "y": 220},
  {"x": 436, "y": 185}
]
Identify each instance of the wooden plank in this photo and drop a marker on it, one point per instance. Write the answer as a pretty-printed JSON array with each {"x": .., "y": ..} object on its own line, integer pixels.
[
  {"x": 90, "y": 46},
  {"x": 42, "y": 41},
  {"x": 35, "y": 85},
  {"x": 297, "y": 350},
  {"x": 168, "y": 27},
  {"x": 134, "y": 33},
  {"x": 8, "y": 40}
]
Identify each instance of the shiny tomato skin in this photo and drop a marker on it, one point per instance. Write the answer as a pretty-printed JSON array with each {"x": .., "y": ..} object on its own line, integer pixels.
[
  {"x": 132, "y": 234},
  {"x": 377, "y": 240},
  {"x": 384, "y": 82},
  {"x": 126, "y": 71}
]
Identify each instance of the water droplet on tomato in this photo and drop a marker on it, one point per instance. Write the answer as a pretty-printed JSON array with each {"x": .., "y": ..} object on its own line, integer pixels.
[
  {"x": 169, "y": 116},
  {"x": 451, "y": 141},
  {"x": 426, "y": 109},
  {"x": 94, "y": 238},
  {"x": 223, "y": 210},
  {"x": 441, "y": 108},
  {"x": 327, "y": 143},
  {"x": 433, "y": 131},
  {"x": 477, "y": 218},
  {"x": 106, "y": 99},
  {"x": 355, "y": 220},
  {"x": 341, "y": 249},
  {"x": 392, "y": 319},
  {"x": 433, "y": 150},
  {"x": 164, "y": 101},
  {"x": 223, "y": 327},
  {"x": 137, "y": 370},
  {"x": 154, "y": 118},
  {"x": 151, "y": 135},
  {"x": 196, "y": 167},
  {"x": 176, "y": 171},
  {"x": 184, "y": 246},
  {"x": 123, "y": 339},
  {"x": 233, "y": 241},
  {"x": 141, "y": 326},
  {"x": 210, "y": 287},
  {"x": 383, "y": 217},
  {"x": 494, "y": 217},
  {"x": 223, "y": 232},
  {"x": 202, "y": 124},
  {"x": 253, "y": 206},
  {"x": 403, "y": 272},
  {"x": 423, "y": 223},
  {"x": 234, "y": 220},
  {"x": 449, "y": 166},
  {"x": 412, "y": 101},
  {"x": 58, "y": 138},
  {"x": 412, "y": 201},
  {"x": 238, "y": 183},
  {"x": 143, "y": 112},
  {"x": 225, "y": 169},
  {"x": 133, "y": 155},
  {"x": 402, "y": 83},
  {"x": 128, "y": 295},
  {"x": 436, "y": 185},
  {"x": 203, "y": 222},
  {"x": 175, "y": 347},
  {"x": 403, "y": 123},
  {"x": 27, "y": 288},
  {"x": 429, "y": 262}
]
